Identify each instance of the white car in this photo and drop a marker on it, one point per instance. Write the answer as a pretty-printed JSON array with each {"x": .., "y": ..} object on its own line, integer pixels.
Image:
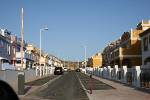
[{"x": 65, "y": 69}]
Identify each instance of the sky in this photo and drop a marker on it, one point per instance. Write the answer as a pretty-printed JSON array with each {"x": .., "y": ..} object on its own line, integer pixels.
[{"x": 73, "y": 24}]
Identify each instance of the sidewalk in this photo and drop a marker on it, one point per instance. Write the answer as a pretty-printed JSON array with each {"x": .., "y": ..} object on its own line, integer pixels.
[{"x": 121, "y": 92}]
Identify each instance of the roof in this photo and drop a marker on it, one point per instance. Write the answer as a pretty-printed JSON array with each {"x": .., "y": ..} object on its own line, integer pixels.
[{"x": 145, "y": 32}]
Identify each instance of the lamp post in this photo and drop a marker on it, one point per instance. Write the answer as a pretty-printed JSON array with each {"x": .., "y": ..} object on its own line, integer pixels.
[
  {"x": 85, "y": 58},
  {"x": 40, "y": 48},
  {"x": 22, "y": 37}
]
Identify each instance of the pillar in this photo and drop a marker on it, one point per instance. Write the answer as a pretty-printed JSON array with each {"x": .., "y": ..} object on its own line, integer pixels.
[
  {"x": 124, "y": 74},
  {"x": 116, "y": 70}
]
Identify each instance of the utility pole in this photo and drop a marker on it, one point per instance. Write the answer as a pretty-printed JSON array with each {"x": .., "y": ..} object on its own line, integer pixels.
[
  {"x": 78, "y": 64},
  {"x": 85, "y": 58},
  {"x": 64, "y": 62},
  {"x": 22, "y": 37}
]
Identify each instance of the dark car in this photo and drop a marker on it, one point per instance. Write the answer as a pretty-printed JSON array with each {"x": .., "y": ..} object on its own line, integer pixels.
[
  {"x": 77, "y": 70},
  {"x": 58, "y": 71}
]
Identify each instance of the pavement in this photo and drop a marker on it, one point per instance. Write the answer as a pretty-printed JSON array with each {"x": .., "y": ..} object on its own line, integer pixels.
[{"x": 120, "y": 92}]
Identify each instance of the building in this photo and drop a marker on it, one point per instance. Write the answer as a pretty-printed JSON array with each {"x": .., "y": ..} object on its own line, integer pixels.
[
  {"x": 145, "y": 68},
  {"x": 127, "y": 49},
  {"x": 35, "y": 54},
  {"x": 131, "y": 45},
  {"x": 13, "y": 49},
  {"x": 111, "y": 54},
  {"x": 5, "y": 43},
  {"x": 27, "y": 58},
  {"x": 95, "y": 61},
  {"x": 145, "y": 45}
]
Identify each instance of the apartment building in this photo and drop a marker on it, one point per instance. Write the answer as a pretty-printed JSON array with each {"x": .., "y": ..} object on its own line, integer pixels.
[
  {"x": 145, "y": 68},
  {"x": 131, "y": 45},
  {"x": 35, "y": 54},
  {"x": 95, "y": 61},
  {"x": 5, "y": 42},
  {"x": 127, "y": 49},
  {"x": 145, "y": 45},
  {"x": 111, "y": 54},
  {"x": 13, "y": 49},
  {"x": 27, "y": 58}
]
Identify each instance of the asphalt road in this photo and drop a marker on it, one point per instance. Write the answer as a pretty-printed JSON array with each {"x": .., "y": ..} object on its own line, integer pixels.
[{"x": 66, "y": 87}]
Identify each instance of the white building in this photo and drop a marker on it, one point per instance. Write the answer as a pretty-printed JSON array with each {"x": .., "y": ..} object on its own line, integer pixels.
[
  {"x": 145, "y": 45},
  {"x": 145, "y": 68}
]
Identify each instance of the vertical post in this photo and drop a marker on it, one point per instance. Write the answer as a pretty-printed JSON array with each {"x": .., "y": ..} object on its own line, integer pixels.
[
  {"x": 64, "y": 63},
  {"x": 78, "y": 64},
  {"x": 40, "y": 55},
  {"x": 85, "y": 57},
  {"x": 22, "y": 36}
]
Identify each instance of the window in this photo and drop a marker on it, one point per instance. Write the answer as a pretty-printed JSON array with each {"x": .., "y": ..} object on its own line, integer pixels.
[
  {"x": 145, "y": 43},
  {"x": 18, "y": 61}
]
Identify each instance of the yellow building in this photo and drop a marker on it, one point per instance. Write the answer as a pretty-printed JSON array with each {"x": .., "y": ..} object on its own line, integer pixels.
[
  {"x": 95, "y": 61},
  {"x": 35, "y": 54},
  {"x": 130, "y": 51},
  {"x": 127, "y": 49}
]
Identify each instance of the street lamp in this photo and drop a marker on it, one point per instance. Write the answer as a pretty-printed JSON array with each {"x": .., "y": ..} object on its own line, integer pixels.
[
  {"x": 40, "y": 48},
  {"x": 85, "y": 58}
]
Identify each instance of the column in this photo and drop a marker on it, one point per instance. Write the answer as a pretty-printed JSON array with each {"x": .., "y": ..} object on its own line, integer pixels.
[
  {"x": 137, "y": 76},
  {"x": 116, "y": 70},
  {"x": 124, "y": 74},
  {"x": 109, "y": 72}
]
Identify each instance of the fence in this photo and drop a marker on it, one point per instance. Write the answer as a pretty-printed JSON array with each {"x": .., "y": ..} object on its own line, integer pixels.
[
  {"x": 11, "y": 76},
  {"x": 130, "y": 76}
]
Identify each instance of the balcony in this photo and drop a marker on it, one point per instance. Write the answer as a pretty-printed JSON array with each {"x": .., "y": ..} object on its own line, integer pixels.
[{"x": 25, "y": 56}]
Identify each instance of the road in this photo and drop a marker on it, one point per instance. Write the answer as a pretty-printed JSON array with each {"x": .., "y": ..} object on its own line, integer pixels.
[{"x": 66, "y": 87}]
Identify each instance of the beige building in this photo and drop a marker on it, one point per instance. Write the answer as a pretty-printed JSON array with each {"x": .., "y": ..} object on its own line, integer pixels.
[
  {"x": 31, "y": 49},
  {"x": 127, "y": 49},
  {"x": 95, "y": 61}
]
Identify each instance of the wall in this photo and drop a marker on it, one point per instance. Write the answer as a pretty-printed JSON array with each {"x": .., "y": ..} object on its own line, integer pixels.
[
  {"x": 11, "y": 77},
  {"x": 130, "y": 76}
]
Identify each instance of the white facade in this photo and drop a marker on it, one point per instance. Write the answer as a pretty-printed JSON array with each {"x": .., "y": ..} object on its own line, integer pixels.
[{"x": 145, "y": 45}]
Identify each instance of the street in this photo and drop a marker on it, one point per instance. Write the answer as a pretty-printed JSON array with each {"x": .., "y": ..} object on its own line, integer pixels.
[{"x": 66, "y": 87}]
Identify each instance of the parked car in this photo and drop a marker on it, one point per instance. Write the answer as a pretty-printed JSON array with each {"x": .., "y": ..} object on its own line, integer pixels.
[
  {"x": 65, "y": 69},
  {"x": 77, "y": 70},
  {"x": 58, "y": 71}
]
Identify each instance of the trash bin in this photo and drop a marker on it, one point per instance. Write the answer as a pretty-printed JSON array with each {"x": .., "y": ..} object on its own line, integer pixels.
[{"x": 21, "y": 81}]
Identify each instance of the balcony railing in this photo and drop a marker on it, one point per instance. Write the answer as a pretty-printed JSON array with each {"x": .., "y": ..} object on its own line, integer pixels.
[{"x": 25, "y": 56}]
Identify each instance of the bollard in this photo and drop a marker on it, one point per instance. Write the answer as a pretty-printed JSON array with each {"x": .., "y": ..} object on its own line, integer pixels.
[
  {"x": 90, "y": 84},
  {"x": 21, "y": 81}
]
